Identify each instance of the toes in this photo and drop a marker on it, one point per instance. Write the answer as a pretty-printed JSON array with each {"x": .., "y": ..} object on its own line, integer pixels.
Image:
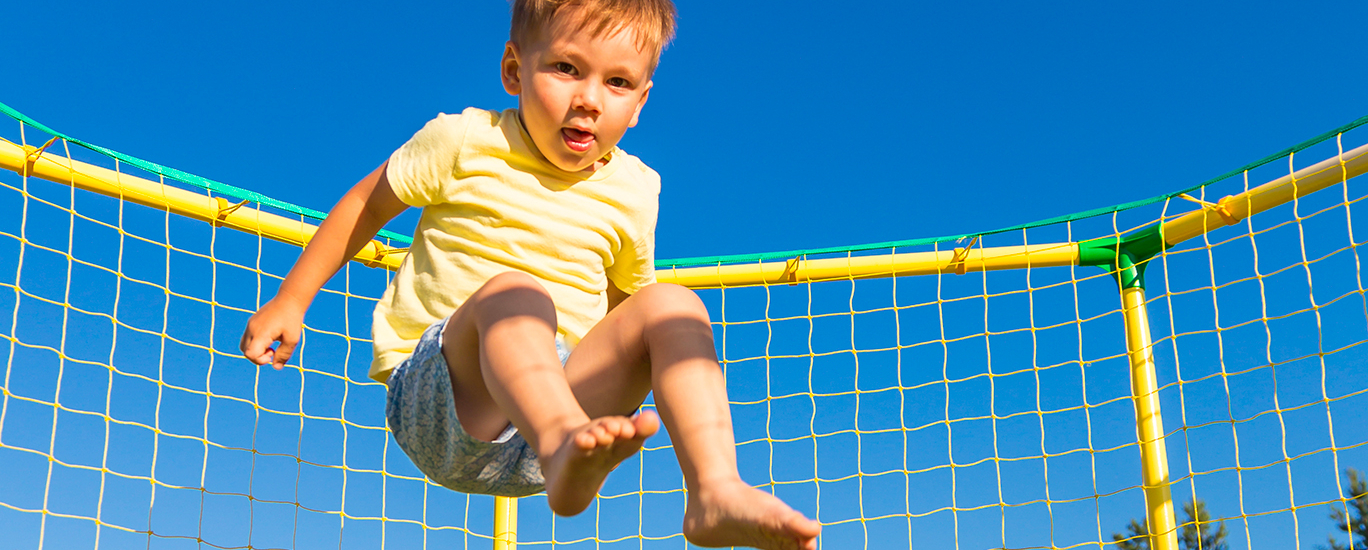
[
  {"x": 613, "y": 428},
  {"x": 646, "y": 423},
  {"x": 626, "y": 429},
  {"x": 604, "y": 432},
  {"x": 586, "y": 440},
  {"x": 620, "y": 428},
  {"x": 600, "y": 435}
]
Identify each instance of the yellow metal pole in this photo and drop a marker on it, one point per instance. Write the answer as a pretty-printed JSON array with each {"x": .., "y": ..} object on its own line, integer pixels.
[
  {"x": 505, "y": 523},
  {"x": 1150, "y": 424},
  {"x": 28, "y": 161},
  {"x": 802, "y": 270},
  {"x": 1230, "y": 210}
]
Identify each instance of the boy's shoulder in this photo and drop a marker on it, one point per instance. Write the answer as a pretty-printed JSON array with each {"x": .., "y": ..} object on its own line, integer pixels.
[
  {"x": 483, "y": 130},
  {"x": 455, "y": 126},
  {"x": 634, "y": 168}
]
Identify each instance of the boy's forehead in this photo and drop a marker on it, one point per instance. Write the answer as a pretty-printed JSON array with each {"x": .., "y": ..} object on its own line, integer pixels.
[
  {"x": 578, "y": 18},
  {"x": 614, "y": 50}
]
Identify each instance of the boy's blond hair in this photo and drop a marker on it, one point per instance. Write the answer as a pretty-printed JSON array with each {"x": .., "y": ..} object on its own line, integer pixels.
[{"x": 653, "y": 21}]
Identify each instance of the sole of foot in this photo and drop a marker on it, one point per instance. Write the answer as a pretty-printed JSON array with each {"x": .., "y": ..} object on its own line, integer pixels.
[
  {"x": 576, "y": 470},
  {"x": 737, "y": 514}
]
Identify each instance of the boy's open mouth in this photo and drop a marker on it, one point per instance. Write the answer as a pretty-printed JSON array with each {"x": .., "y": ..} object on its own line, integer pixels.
[{"x": 578, "y": 140}]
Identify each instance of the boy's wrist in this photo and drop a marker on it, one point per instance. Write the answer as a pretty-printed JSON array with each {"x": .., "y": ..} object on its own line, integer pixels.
[{"x": 292, "y": 300}]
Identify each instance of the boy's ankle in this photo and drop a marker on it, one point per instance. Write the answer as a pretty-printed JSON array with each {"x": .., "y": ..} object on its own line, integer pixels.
[{"x": 704, "y": 486}]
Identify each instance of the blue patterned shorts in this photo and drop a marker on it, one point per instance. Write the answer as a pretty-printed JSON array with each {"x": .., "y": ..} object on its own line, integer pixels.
[{"x": 422, "y": 415}]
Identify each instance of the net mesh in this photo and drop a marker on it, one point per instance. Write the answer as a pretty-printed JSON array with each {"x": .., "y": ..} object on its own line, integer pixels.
[{"x": 974, "y": 410}]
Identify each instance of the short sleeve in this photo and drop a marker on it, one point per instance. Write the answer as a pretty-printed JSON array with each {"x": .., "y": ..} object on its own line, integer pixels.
[
  {"x": 633, "y": 266},
  {"x": 418, "y": 169}
]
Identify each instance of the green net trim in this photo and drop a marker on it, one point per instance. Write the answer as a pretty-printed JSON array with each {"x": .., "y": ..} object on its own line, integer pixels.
[{"x": 243, "y": 194}]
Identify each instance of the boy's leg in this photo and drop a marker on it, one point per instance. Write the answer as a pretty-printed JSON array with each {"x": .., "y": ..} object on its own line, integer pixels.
[
  {"x": 499, "y": 349},
  {"x": 661, "y": 339}
]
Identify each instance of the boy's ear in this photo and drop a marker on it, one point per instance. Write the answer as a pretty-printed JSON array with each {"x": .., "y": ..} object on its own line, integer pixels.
[
  {"x": 508, "y": 69},
  {"x": 644, "y": 96}
]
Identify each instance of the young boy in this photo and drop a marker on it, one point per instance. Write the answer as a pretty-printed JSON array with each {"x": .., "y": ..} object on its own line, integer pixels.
[{"x": 536, "y": 238}]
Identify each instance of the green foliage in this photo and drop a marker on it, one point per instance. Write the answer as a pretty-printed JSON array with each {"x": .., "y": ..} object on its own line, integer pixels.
[
  {"x": 1352, "y": 518},
  {"x": 1196, "y": 532},
  {"x": 1136, "y": 537}
]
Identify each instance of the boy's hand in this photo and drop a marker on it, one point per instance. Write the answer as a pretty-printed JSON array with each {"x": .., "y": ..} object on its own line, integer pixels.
[
  {"x": 349, "y": 226},
  {"x": 278, "y": 321}
]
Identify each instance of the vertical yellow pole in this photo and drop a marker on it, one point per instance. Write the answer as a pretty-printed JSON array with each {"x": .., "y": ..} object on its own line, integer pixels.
[
  {"x": 1145, "y": 392},
  {"x": 506, "y": 523}
]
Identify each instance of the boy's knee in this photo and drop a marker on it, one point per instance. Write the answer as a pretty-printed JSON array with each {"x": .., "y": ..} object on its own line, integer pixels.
[
  {"x": 513, "y": 289},
  {"x": 513, "y": 281},
  {"x": 667, "y": 300}
]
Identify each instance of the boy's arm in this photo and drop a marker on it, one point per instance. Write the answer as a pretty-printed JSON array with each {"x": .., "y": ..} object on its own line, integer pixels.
[{"x": 352, "y": 223}]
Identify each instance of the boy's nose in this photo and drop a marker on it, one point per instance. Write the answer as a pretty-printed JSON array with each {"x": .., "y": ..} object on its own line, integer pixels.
[{"x": 588, "y": 98}]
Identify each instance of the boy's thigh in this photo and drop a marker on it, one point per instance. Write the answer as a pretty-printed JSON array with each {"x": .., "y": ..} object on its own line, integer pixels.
[
  {"x": 610, "y": 371},
  {"x": 509, "y": 294},
  {"x": 460, "y": 350},
  {"x": 421, "y": 411}
]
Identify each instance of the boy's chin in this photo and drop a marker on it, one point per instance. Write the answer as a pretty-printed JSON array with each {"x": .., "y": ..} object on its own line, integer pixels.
[{"x": 564, "y": 160}]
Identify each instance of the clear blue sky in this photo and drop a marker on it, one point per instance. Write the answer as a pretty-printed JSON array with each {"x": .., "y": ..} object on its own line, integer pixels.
[
  {"x": 775, "y": 127},
  {"x": 811, "y": 124}
]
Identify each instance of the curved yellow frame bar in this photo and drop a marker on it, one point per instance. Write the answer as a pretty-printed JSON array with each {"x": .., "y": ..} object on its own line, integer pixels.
[
  {"x": 1230, "y": 210},
  {"x": 29, "y": 161}
]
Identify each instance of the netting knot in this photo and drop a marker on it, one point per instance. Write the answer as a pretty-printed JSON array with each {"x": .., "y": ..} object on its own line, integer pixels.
[
  {"x": 224, "y": 209},
  {"x": 32, "y": 153},
  {"x": 381, "y": 251},
  {"x": 1219, "y": 207},
  {"x": 961, "y": 255},
  {"x": 791, "y": 270}
]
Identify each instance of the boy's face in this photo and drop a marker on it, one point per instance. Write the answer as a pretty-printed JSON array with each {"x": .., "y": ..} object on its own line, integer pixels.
[{"x": 577, "y": 93}]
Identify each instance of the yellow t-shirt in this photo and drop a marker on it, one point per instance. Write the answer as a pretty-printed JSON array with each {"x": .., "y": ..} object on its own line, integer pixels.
[{"x": 492, "y": 203}]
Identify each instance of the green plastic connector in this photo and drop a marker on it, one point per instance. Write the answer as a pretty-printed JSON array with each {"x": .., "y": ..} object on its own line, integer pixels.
[{"x": 1125, "y": 257}]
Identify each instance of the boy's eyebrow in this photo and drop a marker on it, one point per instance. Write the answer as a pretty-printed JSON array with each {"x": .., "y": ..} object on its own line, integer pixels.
[
  {"x": 609, "y": 66},
  {"x": 622, "y": 68}
]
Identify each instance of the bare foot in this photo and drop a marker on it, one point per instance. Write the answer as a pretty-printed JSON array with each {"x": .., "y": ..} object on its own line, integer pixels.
[
  {"x": 736, "y": 514},
  {"x": 576, "y": 469}
]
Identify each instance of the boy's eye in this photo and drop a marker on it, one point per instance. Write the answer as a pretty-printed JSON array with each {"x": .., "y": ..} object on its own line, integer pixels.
[
  {"x": 619, "y": 82},
  {"x": 565, "y": 67}
]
